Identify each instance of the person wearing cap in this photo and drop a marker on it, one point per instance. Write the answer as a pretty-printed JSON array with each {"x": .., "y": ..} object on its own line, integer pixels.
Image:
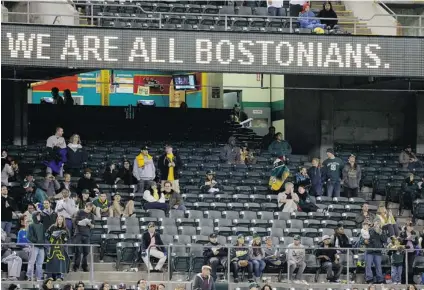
[
  {"x": 329, "y": 259},
  {"x": 240, "y": 259},
  {"x": 408, "y": 159},
  {"x": 339, "y": 238},
  {"x": 83, "y": 199},
  {"x": 377, "y": 240},
  {"x": 254, "y": 286},
  {"x": 154, "y": 199},
  {"x": 352, "y": 174},
  {"x": 332, "y": 173},
  {"x": 102, "y": 205},
  {"x": 211, "y": 185},
  {"x": 307, "y": 18},
  {"x": 122, "y": 286},
  {"x": 144, "y": 169},
  {"x": 272, "y": 254},
  {"x": 215, "y": 254},
  {"x": 152, "y": 246},
  {"x": 246, "y": 155},
  {"x": 84, "y": 222},
  {"x": 36, "y": 235},
  {"x": 296, "y": 260},
  {"x": 170, "y": 164},
  {"x": 279, "y": 147},
  {"x": 279, "y": 174},
  {"x": 86, "y": 182},
  {"x": 288, "y": 199},
  {"x": 230, "y": 153},
  {"x": 256, "y": 255},
  {"x": 204, "y": 280},
  {"x": 118, "y": 210}
]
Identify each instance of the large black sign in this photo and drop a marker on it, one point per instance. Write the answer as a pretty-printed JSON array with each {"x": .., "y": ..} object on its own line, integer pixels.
[{"x": 94, "y": 48}]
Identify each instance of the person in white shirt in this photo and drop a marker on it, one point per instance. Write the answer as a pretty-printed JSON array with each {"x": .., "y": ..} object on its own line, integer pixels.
[
  {"x": 66, "y": 208},
  {"x": 296, "y": 259},
  {"x": 154, "y": 198},
  {"x": 57, "y": 140},
  {"x": 275, "y": 8},
  {"x": 56, "y": 149},
  {"x": 296, "y": 6}
]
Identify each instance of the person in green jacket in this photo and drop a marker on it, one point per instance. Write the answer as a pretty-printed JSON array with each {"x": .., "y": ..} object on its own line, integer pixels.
[{"x": 279, "y": 147}]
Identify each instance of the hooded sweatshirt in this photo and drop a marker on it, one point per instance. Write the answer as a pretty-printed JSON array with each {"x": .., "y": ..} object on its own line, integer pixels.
[
  {"x": 332, "y": 168},
  {"x": 230, "y": 153},
  {"x": 147, "y": 170},
  {"x": 352, "y": 175},
  {"x": 328, "y": 14},
  {"x": 36, "y": 231},
  {"x": 203, "y": 283},
  {"x": 280, "y": 148}
]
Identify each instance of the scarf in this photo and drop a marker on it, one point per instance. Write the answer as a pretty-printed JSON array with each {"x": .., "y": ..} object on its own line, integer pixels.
[
  {"x": 140, "y": 159},
  {"x": 171, "y": 176},
  {"x": 156, "y": 194}
]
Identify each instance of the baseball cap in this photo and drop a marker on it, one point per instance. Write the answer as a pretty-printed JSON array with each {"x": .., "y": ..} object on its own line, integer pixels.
[
  {"x": 330, "y": 150},
  {"x": 145, "y": 148},
  {"x": 213, "y": 235},
  {"x": 253, "y": 285},
  {"x": 210, "y": 172},
  {"x": 296, "y": 237},
  {"x": 85, "y": 191},
  {"x": 151, "y": 225},
  {"x": 325, "y": 237}
]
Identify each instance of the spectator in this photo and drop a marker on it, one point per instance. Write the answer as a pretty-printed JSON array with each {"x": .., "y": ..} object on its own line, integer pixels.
[
  {"x": 6, "y": 171},
  {"x": 83, "y": 199},
  {"x": 50, "y": 185},
  {"x": 57, "y": 153},
  {"x": 288, "y": 199},
  {"x": 57, "y": 99},
  {"x": 68, "y": 100},
  {"x": 8, "y": 206},
  {"x": 329, "y": 259},
  {"x": 408, "y": 159},
  {"x": 340, "y": 239},
  {"x": 48, "y": 215},
  {"x": 142, "y": 285},
  {"x": 246, "y": 156},
  {"x": 302, "y": 178},
  {"x": 215, "y": 254},
  {"x": 365, "y": 215},
  {"x": 256, "y": 254},
  {"x": 387, "y": 221},
  {"x": 66, "y": 184},
  {"x": 169, "y": 165},
  {"x": 266, "y": 287},
  {"x": 22, "y": 237},
  {"x": 279, "y": 174},
  {"x": 68, "y": 287},
  {"x": 254, "y": 286},
  {"x": 306, "y": 202},
  {"x": 33, "y": 194},
  {"x": 80, "y": 286},
  {"x": 352, "y": 177},
  {"x": 396, "y": 251},
  {"x": 47, "y": 284},
  {"x": 76, "y": 155},
  {"x": 332, "y": 167},
  {"x": 29, "y": 212},
  {"x": 296, "y": 7},
  {"x": 328, "y": 12},
  {"x": 144, "y": 169},
  {"x": 240, "y": 259},
  {"x": 102, "y": 206},
  {"x": 230, "y": 153},
  {"x": 83, "y": 224},
  {"x": 13, "y": 262},
  {"x": 279, "y": 147},
  {"x": 110, "y": 176},
  {"x": 36, "y": 257},
  {"x": 183, "y": 105},
  {"x": 307, "y": 18},
  {"x": 211, "y": 185},
  {"x": 86, "y": 182},
  {"x": 203, "y": 280},
  {"x": 66, "y": 208},
  {"x": 118, "y": 210},
  {"x": 314, "y": 173},
  {"x": 376, "y": 241},
  {"x": 409, "y": 192},
  {"x": 238, "y": 114},
  {"x": 152, "y": 246},
  {"x": 272, "y": 255},
  {"x": 275, "y": 8},
  {"x": 296, "y": 260},
  {"x": 122, "y": 286},
  {"x": 409, "y": 239},
  {"x": 125, "y": 174},
  {"x": 174, "y": 198},
  {"x": 17, "y": 173},
  {"x": 105, "y": 286},
  {"x": 268, "y": 138},
  {"x": 154, "y": 198},
  {"x": 161, "y": 287},
  {"x": 57, "y": 258}
]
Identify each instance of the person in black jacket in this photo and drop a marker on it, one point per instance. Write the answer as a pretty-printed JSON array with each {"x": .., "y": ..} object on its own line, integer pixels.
[
  {"x": 86, "y": 182},
  {"x": 376, "y": 241},
  {"x": 169, "y": 165},
  {"x": 329, "y": 259},
  {"x": 409, "y": 193},
  {"x": 214, "y": 254},
  {"x": 36, "y": 236},
  {"x": 48, "y": 215},
  {"x": 8, "y": 206},
  {"x": 328, "y": 12},
  {"x": 110, "y": 176},
  {"x": 125, "y": 174},
  {"x": 76, "y": 155},
  {"x": 152, "y": 246},
  {"x": 314, "y": 173}
]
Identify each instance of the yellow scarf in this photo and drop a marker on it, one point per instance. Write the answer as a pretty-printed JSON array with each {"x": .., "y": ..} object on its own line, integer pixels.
[
  {"x": 140, "y": 159},
  {"x": 171, "y": 176},
  {"x": 156, "y": 194}
]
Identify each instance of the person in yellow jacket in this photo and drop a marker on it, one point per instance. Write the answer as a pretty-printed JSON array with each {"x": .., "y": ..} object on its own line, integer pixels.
[{"x": 144, "y": 169}]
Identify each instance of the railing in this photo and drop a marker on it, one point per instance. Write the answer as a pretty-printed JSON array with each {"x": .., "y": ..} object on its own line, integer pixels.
[{"x": 159, "y": 17}]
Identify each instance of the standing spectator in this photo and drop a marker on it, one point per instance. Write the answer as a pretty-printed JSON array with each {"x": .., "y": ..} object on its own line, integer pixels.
[
  {"x": 57, "y": 99},
  {"x": 256, "y": 254},
  {"x": 57, "y": 153},
  {"x": 296, "y": 260},
  {"x": 36, "y": 257},
  {"x": 48, "y": 215},
  {"x": 28, "y": 214},
  {"x": 76, "y": 155},
  {"x": 409, "y": 192},
  {"x": 126, "y": 174},
  {"x": 306, "y": 202},
  {"x": 50, "y": 185},
  {"x": 288, "y": 199},
  {"x": 396, "y": 250},
  {"x": 246, "y": 155},
  {"x": 68, "y": 100},
  {"x": 308, "y": 19},
  {"x": 66, "y": 208},
  {"x": 215, "y": 254},
  {"x": 376, "y": 241},
  {"x": 268, "y": 138},
  {"x": 110, "y": 176},
  {"x": 352, "y": 177},
  {"x": 272, "y": 255},
  {"x": 408, "y": 159},
  {"x": 152, "y": 246},
  {"x": 332, "y": 168},
  {"x": 314, "y": 173},
  {"x": 296, "y": 7},
  {"x": 86, "y": 182},
  {"x": 240, "y": 259},
  {"x": 329, "y": 259},
  {"x": 6, "y": 171},
  {"x": 8, "y": 206},
  {"x": 144, "y": 169},
  {"x": 211, "y": 185},
  {"x": 364, "y": 216},
  {"x": 169, "y": 165},
  {"x": 328, "y": 12},
  {"x": 279, "y": 147},
  {"x": 83, "y": 224},
  {"x": 238, "y": 114},
  {"x": 57, "y": 259},
  {"x": 118, "y": 210},
  {"x": 154, "y": 198},
  {"x": 102, "y": 206},
  {"x": 230, "y": 153},
  {"x": 410, "y": 240},
  {"x": 302, "y": 178},
  {"x": 275, "y": 8},
  {"x": 279, "y": 174},
  {"x": 175, "y": 199},
  {"x": 203, "y": 280}
]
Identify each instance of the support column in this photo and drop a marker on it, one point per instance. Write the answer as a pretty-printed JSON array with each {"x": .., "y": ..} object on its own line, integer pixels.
[
  {"x": 327, "y": 123},
  {"x": 19, "y": 94},
  {"x": 420, "y": 123}
]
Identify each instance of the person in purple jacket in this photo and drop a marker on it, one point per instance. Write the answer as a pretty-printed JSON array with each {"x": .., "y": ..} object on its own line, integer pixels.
[{"x": 308, "y": 18}]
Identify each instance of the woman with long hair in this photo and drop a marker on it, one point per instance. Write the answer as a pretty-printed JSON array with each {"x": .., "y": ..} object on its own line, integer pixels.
[
  {"x": 57, "y": 262},
  {"x": 257, "y": 255},
  {"x": 67, "y": 96},
  {"x": 352, "y": 177},
  {"x": 110, "y": 175},
  {"x": 76, "y": 155},
  {"x": 387, "y": 221}
]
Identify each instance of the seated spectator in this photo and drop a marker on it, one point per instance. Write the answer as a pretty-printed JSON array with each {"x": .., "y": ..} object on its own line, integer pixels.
[
  {"x": 125, "y": 174},
  {"x": 279, "y": 174},
  {"x": 240, "y": 259},
  {"x": 144, "y": 169},
  {"x": 364, "y": 216},
  {"x": 246, "y": 156},
  {"x": 76, "y": 155},
  {"x": 238, "y": 115},
  {"x": 329, "y": 259},
  {"x": 387, "y": 221},
  {"x": 215, "y": 254},
  {"x": 211, "y": 185},
  {"x": 340, "y": 239},
  {"x": 307, "y": 18},
  {"x": 174, "y": 198},
  {"x": 230, "y": 153},
  {"x": 6, "y": 171},
  {"x": 66, "y": 184},
  {"x": 154, "y": 198},
  {"x": 86, "y": 182},
  {"x": 408, "y": 159},
  {"x": 66, "y": 208},
  {"x": 18, "y": 176},
  {"x": 152, "y": 246},
  {"x": 170, "y": 164},
  {"x": 314, "y": 173},
  {"x": 30, "y": 210},
  {"x": 50, "y": 185},
  {"x": 256, "y": 254},
  {"x": 8, "y": 206},
  {"x": 110, "y": 176},
  {"x": 296, "y": 7},
  {"x": 306, "y": 202},
  {"x": 203, "y": 281},
  {"x": 57, "y": 153},
  {"x": 83, "y": 199},
  {"x": 302, "y": 178},
  {"x": 296, "y": 260},
  {"x": 268, "y": 138},
  {"x": 118, "y": 210},
  {"x": 102, "y": 206},
  {"x": 272, "y": 255},
  {"x": 57, "y": 258},
  {"x": 279, "y": 147},
  {"x": 328, "y": 12},
  {"x": 352, "y": 177},
  {"x": 288, "y": 199}
]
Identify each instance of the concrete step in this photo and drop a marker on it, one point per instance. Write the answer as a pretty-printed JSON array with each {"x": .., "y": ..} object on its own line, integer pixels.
[
  {"x": 359, "y": 31},
  {"x": 115, "y": 276}
]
